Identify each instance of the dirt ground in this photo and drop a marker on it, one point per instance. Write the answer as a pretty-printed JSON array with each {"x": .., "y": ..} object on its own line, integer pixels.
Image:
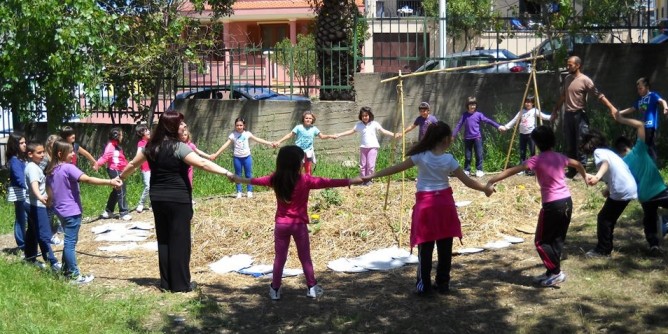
[{"x": 492, "y": 291}]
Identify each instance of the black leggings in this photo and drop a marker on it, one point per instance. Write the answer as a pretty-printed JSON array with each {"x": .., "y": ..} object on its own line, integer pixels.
[
  {"x": 425, "y": 250},
  {"x": 172, "y": 228}
]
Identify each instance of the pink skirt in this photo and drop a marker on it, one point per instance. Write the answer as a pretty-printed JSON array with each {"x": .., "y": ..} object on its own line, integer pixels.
[{"x": 434, "y": 217}]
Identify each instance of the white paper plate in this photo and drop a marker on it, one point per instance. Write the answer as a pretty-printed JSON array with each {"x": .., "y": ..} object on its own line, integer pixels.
[
  {"x": 231, "y": 263},
  {"x": 513, "y": 240},
  {"x": 344, "y": 265},
  {"x": 462, "y": 203},
  {"x": 469, "y": 250},
  {"x": 496, "y": 244}
]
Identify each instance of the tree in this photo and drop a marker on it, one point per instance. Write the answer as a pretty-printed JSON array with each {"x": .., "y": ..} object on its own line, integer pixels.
[
  {"x": 465, "y": 19},
  {"x": 300, "y": 60},
  {"x": 336, "y": 24},
  {"x": 48, "y": 48}
]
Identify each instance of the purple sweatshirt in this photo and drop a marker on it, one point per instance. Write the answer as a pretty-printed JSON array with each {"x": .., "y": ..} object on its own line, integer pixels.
[{"x": 471, "y": 123}]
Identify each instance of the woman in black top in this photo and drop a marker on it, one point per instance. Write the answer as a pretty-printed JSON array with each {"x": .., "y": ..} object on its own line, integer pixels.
[{"x": 171, "y": 197}]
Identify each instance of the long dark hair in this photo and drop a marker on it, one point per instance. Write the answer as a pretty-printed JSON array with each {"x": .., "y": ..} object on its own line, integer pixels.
[
  {"x": 544, "y": 138},
  {"x": 59, "y": 146},
  {"x": 288, "y": 171},
  {"x": 592, "y": 140},
  {"x": 14, "y": 146},
  {"x": 166, "y": 134},
  {"x": 435, "y": 134}
]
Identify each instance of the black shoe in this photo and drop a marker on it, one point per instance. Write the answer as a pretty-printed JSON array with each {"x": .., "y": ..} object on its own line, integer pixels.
[{"x": 442, "y": 289}]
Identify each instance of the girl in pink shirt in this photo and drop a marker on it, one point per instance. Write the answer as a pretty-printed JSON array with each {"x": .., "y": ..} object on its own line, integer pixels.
[
  {"x": 115, "y": 160},
  {"x": 292, "y": 191},
  {"x": 144, "y": 134},
  {"x": 555, "y": 215},
  {"x": 185, "y": 137}
]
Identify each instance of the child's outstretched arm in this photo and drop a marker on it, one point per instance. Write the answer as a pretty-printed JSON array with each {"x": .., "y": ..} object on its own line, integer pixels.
[
  {"x": 578, "y": 166},
  {"x": 402, "y": 166},
  {"x": 640, "y": 126},
  {"x": 506, "y": 173},
  {"x": 193, "y": 159},
  {"x": 289, "y": 135},
  {"x": 324, "y": 136},
  {"x": 88, "y": 156},
  {"x": 345, "y": 133},
  {"x": 221, "y": 149},
  {"x": 592, "y": 180},
  {"x": 238, "y": 179},
  {"x": 356, "y": 180},
  {"x": 116, "y": 182},
  {"x": 202, "y": 153},
  {"x": 132, "y": 165},
  {"x": 261, "y": 141},
  {"x": 471, "y": 183}
]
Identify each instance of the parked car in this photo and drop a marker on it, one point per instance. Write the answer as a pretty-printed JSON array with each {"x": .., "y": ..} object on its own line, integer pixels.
[
  {"x": 476, "y": 57},
  {"x": 236, "y": 92},
  {"x": 547, "y": 49}
]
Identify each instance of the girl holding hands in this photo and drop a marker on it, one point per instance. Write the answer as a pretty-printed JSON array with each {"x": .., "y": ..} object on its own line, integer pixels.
[{"x": 306, "y": 133}]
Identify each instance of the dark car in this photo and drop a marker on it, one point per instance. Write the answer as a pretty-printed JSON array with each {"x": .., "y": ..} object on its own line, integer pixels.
[
  {"x": 239, "y": 92},
  {"x": 547, "y": 48},
  {"x": 476, "y": 57}
]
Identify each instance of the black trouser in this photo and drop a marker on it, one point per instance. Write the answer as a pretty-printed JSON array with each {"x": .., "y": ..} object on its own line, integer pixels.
[
  {"x": 172, "y": 228},
  {"x": 117, "y": 196},
  {"x": 650, "y": 217},
  {"x": 576, "y": 124},
  {"x": 605, "y": 223},
  {"x": 526, "y": 143},
  {"x": 649, "y": 140},
  {"x": 551, "y": 231},
  {"x": 425, "y": 250}
]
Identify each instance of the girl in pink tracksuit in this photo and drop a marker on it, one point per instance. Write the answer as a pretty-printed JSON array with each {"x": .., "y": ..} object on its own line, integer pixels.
[{"x": 115, "y": 160}]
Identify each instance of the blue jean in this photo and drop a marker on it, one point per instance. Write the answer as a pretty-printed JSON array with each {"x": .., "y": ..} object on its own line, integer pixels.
[
  {"x": 117, "y": 196},
  {"x": 71, "y": 226},
  {"x": 247, "y": 164},
  {"x": 469, "y": 145},
  {"x": 21, "y": 210},
  {"x": 39, "y": 234},
  {"x": 146, "y": 177}
]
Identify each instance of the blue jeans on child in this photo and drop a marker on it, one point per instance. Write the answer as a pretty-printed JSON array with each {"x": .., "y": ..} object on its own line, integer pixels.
[
  {"x": 469, "y": 145},
  {"x": 146, "y": 177},
  {"x": 39, "y": 233},
  {"x": 247, "y": 164},
  {"x": 71, "y": 226},
  {"x": 21, "y": 210}
]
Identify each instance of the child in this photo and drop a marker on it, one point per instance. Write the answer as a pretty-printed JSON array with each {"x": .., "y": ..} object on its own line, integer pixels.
[
  {"x": 144, "y": 134},
  {"x": 62, "y": 186},
  {"x": 67, "y": 133},
  {"x": 115, "y": 160},
  {"x": 56, "y": 227},
  {"x": 368, "y": 128},
  {"x": 527, "y": 118},
  {"x": 39, "y": 228},
  {"x": 434, "y": 219},
  {"x": 242, "y": 159},
  {"x": 652, "y": 190},
  {"x": 185, "y": 137},
  {"x": 555, "y": 215},
  {"x": 648, "y": 105},
  {"x": 292, "y": 190},
  {"x": 471, "y": 120},
  {"x": 620, "y": 190},
  {"x": 306, "y": 133},
  {"x": 423, "y": 121},
  {"x": 16, "y": 191}
]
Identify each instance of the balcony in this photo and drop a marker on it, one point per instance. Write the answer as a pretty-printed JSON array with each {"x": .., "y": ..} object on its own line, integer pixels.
[{"x": 397, "y": 8}]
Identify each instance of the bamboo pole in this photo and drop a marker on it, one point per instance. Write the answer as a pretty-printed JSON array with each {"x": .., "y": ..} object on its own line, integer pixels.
[
  {"x": 512, "y": 139},
  {"x": 452, "y": 69},
  {"x": 535, "y": 90}
]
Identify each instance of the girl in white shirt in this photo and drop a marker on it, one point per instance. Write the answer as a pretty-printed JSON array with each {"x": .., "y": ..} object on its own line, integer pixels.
[
  {"x": 527, "y": 118},
  {"x": 242, "y": 153},
  {"x": 368, "y": 129}
]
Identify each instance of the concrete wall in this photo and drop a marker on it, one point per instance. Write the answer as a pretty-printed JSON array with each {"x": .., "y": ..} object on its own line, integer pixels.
[{"x": 613, "y": 67}]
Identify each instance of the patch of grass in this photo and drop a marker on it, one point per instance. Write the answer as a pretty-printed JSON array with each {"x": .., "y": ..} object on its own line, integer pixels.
[{"x": 41, "y": 302}]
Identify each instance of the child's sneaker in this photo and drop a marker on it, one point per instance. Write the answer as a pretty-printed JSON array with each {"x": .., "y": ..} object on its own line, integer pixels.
[
  {"x": 82, "y": 279},
  {"x": 249, "y": 194},
  {"x": 314, "y": 291},
  {"x": 554, "y": 279},
  {"x": 56, "y": 267},
  {"x": 540, "y": 278},
  {"x": 140, "y": 208},
  {"x": 274, "y": 294},
  {"x": 105, "y": 215},
  {"x": 126, "y": 217},
  {"x": 239, "y": 195},
  {"x": 467, "y": 173},
  {"x": 479, "y": 173},
  {"x": 55, "y": 240}
]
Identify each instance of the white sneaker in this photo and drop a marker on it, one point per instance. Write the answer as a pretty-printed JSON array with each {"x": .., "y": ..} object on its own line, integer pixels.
[
  {"x": 105, "y": 215},
  {"x": 249, "y": 194},
  {"x": 82, "y": 279},
  {"x": 274, "y": 294},
  {"x": 55, "y": 240},
  {"x": 467, "y": 173},
  {"x": 140, "y": 208},
  {"x": 57, "y": 267},
  {"x": 239, "y": 195},
  {"x": 479, "y": 173},
  {"x": 126, "y": 217},
  {"x": 314, "y": 291}
]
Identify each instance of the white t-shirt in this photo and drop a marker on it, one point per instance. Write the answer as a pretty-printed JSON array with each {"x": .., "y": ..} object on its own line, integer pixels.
[
  {"x": 368, "y": 133},
  {"x": 241, "y": 143},
  {"x": 527, "y": 120},
  {"x": 619, "y": 179},
  {"x": 433, "y": 170}
]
